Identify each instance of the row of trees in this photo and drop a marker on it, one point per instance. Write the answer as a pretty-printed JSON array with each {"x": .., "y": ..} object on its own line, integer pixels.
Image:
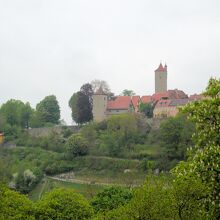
[{"x": 16, "y": 115}]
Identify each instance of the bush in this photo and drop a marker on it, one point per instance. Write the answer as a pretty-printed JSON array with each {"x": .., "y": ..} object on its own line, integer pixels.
[
  {"x": 111, "y": 198},
  {"x": 27, "y": 180},
  {"x": 76, "y": 145},
  {"x": 63, "y": 204},
  {"x": 14, "y": 205}
]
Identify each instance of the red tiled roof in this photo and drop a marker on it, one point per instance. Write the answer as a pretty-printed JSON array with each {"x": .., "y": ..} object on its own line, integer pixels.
[
  {"x": 135, "y": 100},
  {"x": 171, "y": 102},
  {"x": 159, "y": 95},
  {"x": 161, "y": 68},
  {"x": 196, "y": 97},
  {"x": 146, "y": 99},
  {"x": 121, "y": 102},
  {"x": 176, "y": 94},
  {"x": 170, "y": 94}
]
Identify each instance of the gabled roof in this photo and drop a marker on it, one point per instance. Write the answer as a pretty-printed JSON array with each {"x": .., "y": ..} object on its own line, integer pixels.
[
  {"x": 161, "y": 68},
  {"x": 146, "y": 99},
  {"x": 170, "y": 94},
  {"x": 121, "y": 102},
  {"x": 176, "y": 94},
  {"x": 196, "y": 97},
  {"x": 171, "y": 102},
  {"x": 159, "y": 95},
  {"x": 135, "y": 100}
]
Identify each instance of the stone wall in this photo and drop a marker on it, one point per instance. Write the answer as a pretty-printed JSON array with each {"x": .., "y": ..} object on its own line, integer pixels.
[{"x": 45, "y": 131}]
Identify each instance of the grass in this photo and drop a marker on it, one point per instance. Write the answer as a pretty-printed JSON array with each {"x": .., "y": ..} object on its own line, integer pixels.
[{"x": 46, "y": 185}]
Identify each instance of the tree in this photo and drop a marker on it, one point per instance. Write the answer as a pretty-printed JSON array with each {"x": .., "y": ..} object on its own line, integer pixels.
[
  {"x": 48, "y": 110},
  {"x": 11, "y": 111},
  {"x": 74, "y": 107},
  {"x": 96, "y": 84},
  {"x": 160, "y": 198},
  {"x": 63, "y": 204},
  {"x": 84, "y": 108},
  {"x": 147, "y": 109},
  {"x": 204, "y": 159},
  {"x": 127, "y": 92},
  {"x": 81, "y": 108},
  {"x": 87, "y": 90},
  {"x": 26, "y": 115},
  {"x": 176, "y": 136},
  {"x": 76, "y": 145},
  {"x": 14, "y": 117},
  {"x": 14, "y": 205},
  {"x": 111, "y": 198},
  {"x": 125, "y": 126}
]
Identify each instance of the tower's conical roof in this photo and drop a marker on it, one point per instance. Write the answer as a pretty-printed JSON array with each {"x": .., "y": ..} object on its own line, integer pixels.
[{"x": 161, "y": 68}]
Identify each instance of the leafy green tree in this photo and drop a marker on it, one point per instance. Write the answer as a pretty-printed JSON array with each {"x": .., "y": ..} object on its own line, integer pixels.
[
  {"x": 147, "y": 109},
  {"x": 74, "y": 107},
  {"x": 26, "y": 115},
  {"x": 111, "y": 198},
  {"x": 76, "y": 145},
  {"x": 84, "y": 108},
  {"x": 189, "y": 195},
  {"x": 160, "y": 198},
  {"x": 127, "y": 92},
  {"x": 87, "y": 90},
  {"x": 125, "y": 125},
  {"x": 16, "y": 113},
  {"x": 63, "y": 204},
  {"x": 176, "y": 136},
  {"x": 48, "y": 110},
  {"x": 81, "y": 107},
  {"x": 11, "y": 111},
  {"x": 14, "y": 205},
  {"x": 204, "y": 158}
]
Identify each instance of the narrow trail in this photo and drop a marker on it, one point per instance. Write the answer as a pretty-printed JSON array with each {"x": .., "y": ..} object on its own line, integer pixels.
[
  {"x": 113, "y": 158},
  {"x": 42, "y": 189},
  {"x": 91, "y": 182}
]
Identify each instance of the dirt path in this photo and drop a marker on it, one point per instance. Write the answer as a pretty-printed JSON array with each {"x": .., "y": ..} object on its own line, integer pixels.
[
  {"x": 113, "y": 158},
  {"x": 89, "y": 182}
]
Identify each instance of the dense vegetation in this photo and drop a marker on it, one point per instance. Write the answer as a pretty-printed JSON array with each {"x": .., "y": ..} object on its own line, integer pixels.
[
  {"x": 15, "y": 116},
  {"x": 189, "y": 191}
]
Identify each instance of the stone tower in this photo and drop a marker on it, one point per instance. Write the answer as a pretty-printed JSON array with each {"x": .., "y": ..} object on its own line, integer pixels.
[
  {"x": 99, "y": 105},
  {"x": 161, "y": 79}
]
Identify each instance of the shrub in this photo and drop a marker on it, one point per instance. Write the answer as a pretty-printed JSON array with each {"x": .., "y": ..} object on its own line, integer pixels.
[
  {"x": 76, "y": 145},
  {"x": 63, "y": 204},
  {"x": 111, "y": 198},
  {"x": 14, "y": 205}
]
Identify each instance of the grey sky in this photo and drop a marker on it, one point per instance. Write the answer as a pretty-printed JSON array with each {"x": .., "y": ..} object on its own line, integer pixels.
[{"x": 53, "y": 46}]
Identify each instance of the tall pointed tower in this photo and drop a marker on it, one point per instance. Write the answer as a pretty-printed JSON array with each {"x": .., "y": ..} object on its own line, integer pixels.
[
  {"x": 99, "y": 105},
  {"x": 161, "y": 78}
]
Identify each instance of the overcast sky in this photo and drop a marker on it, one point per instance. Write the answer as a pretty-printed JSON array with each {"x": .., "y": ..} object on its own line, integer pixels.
[{"x": 53, "y": 46}]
